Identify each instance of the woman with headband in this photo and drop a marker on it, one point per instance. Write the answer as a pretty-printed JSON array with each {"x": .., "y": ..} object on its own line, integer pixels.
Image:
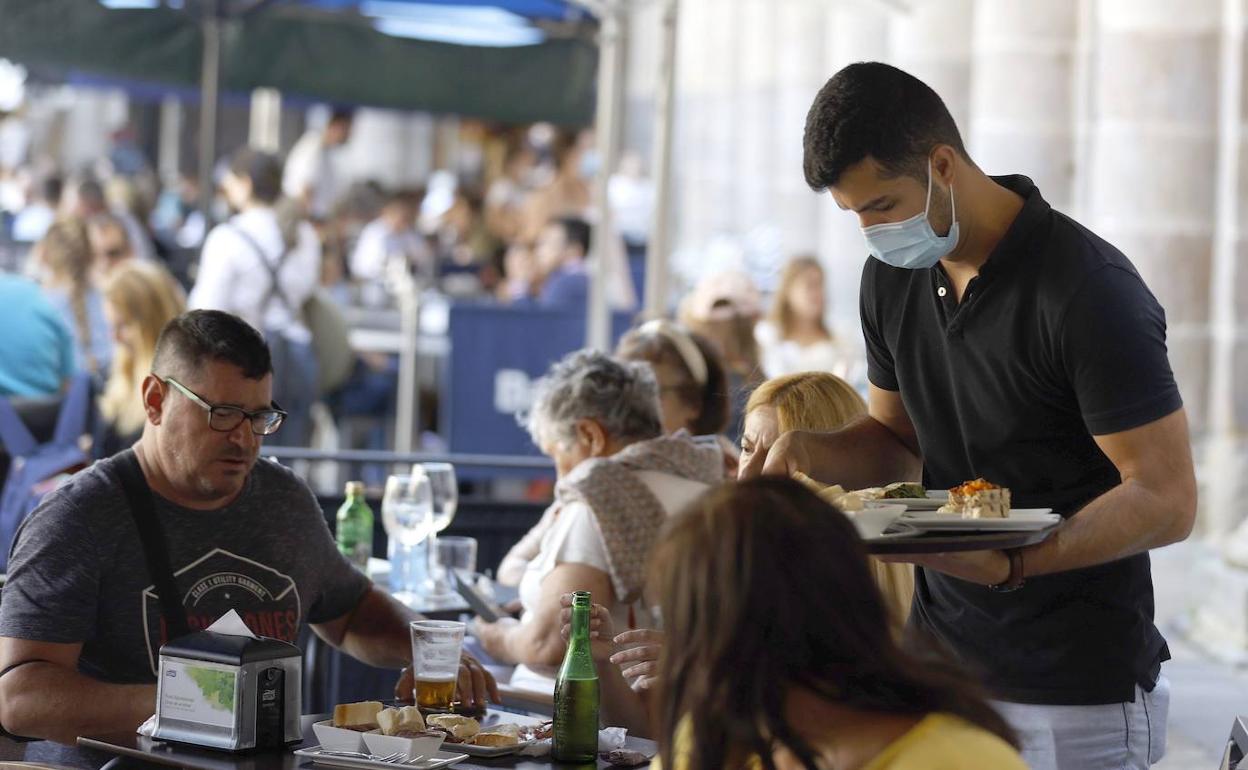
[{"x": 693, "y": 387}]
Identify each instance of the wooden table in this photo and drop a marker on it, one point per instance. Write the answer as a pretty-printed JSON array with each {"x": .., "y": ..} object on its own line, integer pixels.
[{"x": 180, "y": 755}]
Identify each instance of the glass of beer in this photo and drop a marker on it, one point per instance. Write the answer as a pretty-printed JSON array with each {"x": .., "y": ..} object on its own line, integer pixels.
[{"x": 436, "y": 646}]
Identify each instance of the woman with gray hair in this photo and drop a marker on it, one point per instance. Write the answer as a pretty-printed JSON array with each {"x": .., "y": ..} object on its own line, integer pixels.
[{"x": 619, "y": 479}]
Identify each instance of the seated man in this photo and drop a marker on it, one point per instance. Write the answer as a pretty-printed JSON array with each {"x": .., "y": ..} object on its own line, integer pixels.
[
  {"x": 561, "y": 252},
  {"x": 80, "y": 621}
]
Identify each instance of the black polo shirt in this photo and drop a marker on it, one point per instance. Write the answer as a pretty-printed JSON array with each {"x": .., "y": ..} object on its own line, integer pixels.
[{"x": 1055, "y": 341}]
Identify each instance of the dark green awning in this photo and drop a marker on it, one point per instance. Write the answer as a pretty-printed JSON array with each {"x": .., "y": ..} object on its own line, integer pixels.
[{"x": 336, "y": 57}]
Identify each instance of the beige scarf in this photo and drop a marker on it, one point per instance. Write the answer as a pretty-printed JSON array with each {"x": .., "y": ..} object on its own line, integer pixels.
[{"x": 627, "y": 513}]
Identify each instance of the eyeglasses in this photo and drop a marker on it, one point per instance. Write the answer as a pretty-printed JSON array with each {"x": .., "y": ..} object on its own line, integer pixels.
[{"x": 264, "y": 422}]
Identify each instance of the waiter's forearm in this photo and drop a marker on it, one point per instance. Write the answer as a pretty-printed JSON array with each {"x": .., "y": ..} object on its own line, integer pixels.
[
  {"x": 1129, "y": 519},
  {"x": 56, "y": 703},
  {"x": 864, "y": 454}
]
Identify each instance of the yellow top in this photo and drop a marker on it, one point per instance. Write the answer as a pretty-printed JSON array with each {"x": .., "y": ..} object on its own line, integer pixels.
[{"x": 937, "y": 742}]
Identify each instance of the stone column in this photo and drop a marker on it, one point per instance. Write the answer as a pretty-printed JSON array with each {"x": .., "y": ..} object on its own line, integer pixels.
[
  {"x": 1022, "y": 82},
  {"x": 1153, "y": 163}
]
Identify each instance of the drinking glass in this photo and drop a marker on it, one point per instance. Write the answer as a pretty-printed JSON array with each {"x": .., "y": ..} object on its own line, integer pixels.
[
  {"x": 407, "y": 513},
  {"x": 436, "y": 646},
  {"x": 457, "y": 553},
  {"x": 445, "y": 490}
]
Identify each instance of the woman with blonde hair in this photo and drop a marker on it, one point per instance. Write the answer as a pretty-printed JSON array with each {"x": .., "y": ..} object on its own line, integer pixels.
[
  {"x": 794, "y": 337},
  {"x": 64, "y": 261},
  {"x": 823, "y": 402},
  {"x": 140, "y": 298}
]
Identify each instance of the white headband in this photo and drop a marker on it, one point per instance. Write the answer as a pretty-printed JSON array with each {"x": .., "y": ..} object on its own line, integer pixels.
[{"x": 685, "y": 346}]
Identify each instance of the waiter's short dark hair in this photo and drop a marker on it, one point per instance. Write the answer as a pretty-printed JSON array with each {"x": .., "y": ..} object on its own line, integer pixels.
[
  {"x": 875, "y": 110},
  {"x": 202, "y": 335},
  {"x": 577, "y": 231}
]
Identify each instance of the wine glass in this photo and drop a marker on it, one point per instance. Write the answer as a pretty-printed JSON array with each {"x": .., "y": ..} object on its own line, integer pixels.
[
  {"x": 445, "y": 489},
  {"x": 407, "y": 514}
]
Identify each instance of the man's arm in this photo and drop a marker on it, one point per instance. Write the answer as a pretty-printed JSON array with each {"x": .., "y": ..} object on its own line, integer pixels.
[
  {"x": 377, "y": 632},
  {"x": 877, "y": 449},
  {"x": 1154, "y": 506},
  {"x": 49, "y": 699}
]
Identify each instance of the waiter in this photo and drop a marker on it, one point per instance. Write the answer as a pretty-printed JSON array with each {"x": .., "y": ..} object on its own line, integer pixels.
[{"x": 1006, "y": 341}]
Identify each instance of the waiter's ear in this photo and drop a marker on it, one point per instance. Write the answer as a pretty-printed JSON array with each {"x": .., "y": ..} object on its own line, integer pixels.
[
  {"x": 153, "y": 398},
  {"x": 944, "y": 164}
]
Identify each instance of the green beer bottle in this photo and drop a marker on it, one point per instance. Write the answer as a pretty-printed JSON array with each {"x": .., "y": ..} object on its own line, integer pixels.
[
  {"x": 355, "y": 526},
  {"x": 576, "y": 693}
]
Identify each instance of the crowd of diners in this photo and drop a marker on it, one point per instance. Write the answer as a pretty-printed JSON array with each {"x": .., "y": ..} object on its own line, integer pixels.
[{"x": 738, "y": 619}]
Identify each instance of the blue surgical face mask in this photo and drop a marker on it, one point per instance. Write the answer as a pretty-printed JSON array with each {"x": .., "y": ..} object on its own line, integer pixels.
[{"x": 912, "y": 243}]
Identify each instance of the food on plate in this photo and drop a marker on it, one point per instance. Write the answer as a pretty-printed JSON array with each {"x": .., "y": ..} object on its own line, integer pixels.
[
  {"x": 537, "y": 732},
  {"x": 835, "y": 494},
  {"x": 360, "y": 717},
  {"x": 497, "y": 736},
  {"x": 477, "y": 712},
  {"x": 904, "y": 490},
  {"x": 458, "y": 729},
  {"x": 978, "y": 499},
  {"x": 625, "y": 757},
  {"x": 404, "y": 722}
]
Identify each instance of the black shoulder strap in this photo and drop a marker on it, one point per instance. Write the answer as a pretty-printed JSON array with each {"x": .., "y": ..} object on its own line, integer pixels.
[
  {"x": 275, "y": 285},
  {"x": 143, "y": 509}
]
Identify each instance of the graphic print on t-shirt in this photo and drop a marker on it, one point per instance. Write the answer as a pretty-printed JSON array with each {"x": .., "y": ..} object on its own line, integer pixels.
[{"x": 220, "y": 581}]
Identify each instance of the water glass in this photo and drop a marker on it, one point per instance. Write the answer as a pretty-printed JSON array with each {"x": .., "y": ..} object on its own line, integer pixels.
[
  {"x": 436, "y": 647},
  {"x": 457, "y": 553},
  {"x": 444, "y": 492}
]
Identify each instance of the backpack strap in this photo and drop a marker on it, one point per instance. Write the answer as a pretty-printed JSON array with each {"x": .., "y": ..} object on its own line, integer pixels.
[
  {"x": 275, "y": 284},
  {"x": 155, "y": 548}
]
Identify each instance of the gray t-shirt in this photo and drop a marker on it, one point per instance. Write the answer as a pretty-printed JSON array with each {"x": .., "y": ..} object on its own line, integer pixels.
[{"x": 77, "y": 572}]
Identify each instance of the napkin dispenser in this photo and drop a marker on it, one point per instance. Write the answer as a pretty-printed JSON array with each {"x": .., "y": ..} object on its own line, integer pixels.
[{"x": 229, "y": 692}]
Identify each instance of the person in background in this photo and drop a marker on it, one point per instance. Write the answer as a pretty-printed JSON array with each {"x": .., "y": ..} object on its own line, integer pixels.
[
  {"x": 34, "y": 220},
  {"x": 110, "y": 244},
  {"x": 561, "y": 251},
  {"x": 132, "y": 207},
  {"x": 506, "y": 196},
  {"x": 693, "y": 387},
  {"x": 37, "y": 352},
  {"x": 794, "y": 337},
  {"x": 63, "y": 259},
  {"x": 89, "y": 201},
  {"x": 762, "y": 659},
  {"x": 392, "y": 236},
  {"x": 724, "y": 308},
  {"x": 818, "y": 401},
  {"x": 520, "y": 274},
  {"x": 567, "y": 194},
  {"x": 238, "y": 265},
  {"x": 309, "y": 177},
  {"x": 139, "y": 299},
  {"x": 619, "y": 479}
]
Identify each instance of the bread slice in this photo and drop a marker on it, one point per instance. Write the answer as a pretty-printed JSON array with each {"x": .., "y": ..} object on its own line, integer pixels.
[
  {"x": 461, "y": 728},
  {"x": 499, "y": 735},
  {"x": 407, "y": 718},
  {"x": 357, "y": 716}
]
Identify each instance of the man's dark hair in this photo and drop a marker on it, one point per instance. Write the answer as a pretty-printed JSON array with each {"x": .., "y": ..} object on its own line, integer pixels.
[
  {"x": 576, "y": 231},
  {"x": 50, "y": 190},
  {"x": 263, "y": 169},
  {"x": 341, "y": 114},
  {"x": 874, "y": 110},
  {"x": 202, "y": 335}
]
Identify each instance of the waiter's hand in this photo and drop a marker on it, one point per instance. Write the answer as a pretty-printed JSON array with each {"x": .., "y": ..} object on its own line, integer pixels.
[
  {"x": 476, "y": 685},
  {"x": 987, "y": 568},
  {"x": 786, "y": 455}
]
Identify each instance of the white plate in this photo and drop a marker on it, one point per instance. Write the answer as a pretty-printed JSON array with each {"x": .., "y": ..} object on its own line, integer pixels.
[
  {"x": 930, "y": 503},
  {"x": 872, "y": 520},
  {"x": 489, "y": 751},
  {"x": 440, "y": 759},
  {"x": 1019, "y": 520}
]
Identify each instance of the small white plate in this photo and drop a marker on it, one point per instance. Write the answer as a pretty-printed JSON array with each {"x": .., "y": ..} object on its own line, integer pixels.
[
  {"x": 1019, "y": 520},
  {"x": 489, "y": 751},
  {"x": 338, "y": 739},
  {"x": 440, "y": 759},
  {"x": 385, "y": 745},
  {"x": 874, "y": 519}
]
